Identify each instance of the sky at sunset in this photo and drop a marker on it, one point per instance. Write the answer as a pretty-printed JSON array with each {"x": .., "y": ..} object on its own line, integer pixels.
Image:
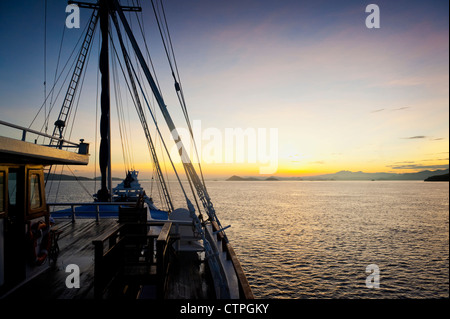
[{"x": 339, "y": 96}]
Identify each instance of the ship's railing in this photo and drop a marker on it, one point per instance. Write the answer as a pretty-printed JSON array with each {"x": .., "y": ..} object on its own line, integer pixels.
[
  {"x": 113, "y": 249},
  {"x": 82, "y": 147},
  {"x": 95, "y": 213},
  {"x": 107, "y": 264},
  {"x": 245, "y": 291}
]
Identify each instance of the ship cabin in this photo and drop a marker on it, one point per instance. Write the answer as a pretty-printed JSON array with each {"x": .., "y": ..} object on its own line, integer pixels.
[{"x": 27, "y": 240}]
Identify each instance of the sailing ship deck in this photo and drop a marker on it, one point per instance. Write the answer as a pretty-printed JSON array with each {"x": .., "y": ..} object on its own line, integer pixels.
[
  {"x": 114, "y": 260},
  {"x": 188, "y": 278}
]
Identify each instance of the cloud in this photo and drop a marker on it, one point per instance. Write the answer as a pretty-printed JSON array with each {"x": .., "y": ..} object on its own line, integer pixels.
[
  {"x": 317, "y": 162},
  {"x": 392, "y": 110},
  {"x": 435, "y": 159},
  {"x": 415, "y": 166},
  {"x": 401, "y": 108},
  {"x": 414, "y": 137},
  {"x": 402, "y": 82},
  {"x": 418, "y": 137}
]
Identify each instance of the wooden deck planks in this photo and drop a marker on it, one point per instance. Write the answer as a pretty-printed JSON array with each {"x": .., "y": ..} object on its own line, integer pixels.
[
  {"x": 188, "y": 275},
  {"x": 75, "y": 243},
  {"x": 188, "y": 278}
]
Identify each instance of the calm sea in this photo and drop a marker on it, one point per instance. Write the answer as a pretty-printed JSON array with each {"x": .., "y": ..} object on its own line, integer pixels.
[{"x": 315, "y": 239}]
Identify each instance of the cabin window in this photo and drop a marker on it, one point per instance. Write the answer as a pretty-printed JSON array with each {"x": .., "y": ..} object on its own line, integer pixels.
[
  {"x": 35, "y": 193},
  {"x": 12, "y": 188},
  {"x": 2, "y": 191}
]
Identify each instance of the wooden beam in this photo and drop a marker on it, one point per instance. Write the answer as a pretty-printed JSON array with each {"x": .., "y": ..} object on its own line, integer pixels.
[
  {"x": 245, "y": 291},
  {"x": 164, "y": 234},
  {"x": 89, "y": 5},
  {"x": 17, "y": 151}
]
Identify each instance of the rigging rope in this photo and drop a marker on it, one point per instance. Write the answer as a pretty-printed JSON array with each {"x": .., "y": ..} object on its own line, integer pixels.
[
  {"x": 140, "y": 76},
  {"x": 141, "y": 28},
  {"x": 45, "y": 65},
  {"x": 125, "y": 140},
  {"x": 79, "y": 182},
  {"x": 96, "y": 120},
  {"x": 73, "y": 121},
  {"x": 118, "y": 101},
  {"x": 165, "y": 34},
  {"x": 162, "y": 140},
  {"x": 79, "y": 95},
  {"x": 56, "y": 69},
  {"x": 136, "y": 101},
  {"x": 52, "y": 103},
  {"x": 140, "y": 22},
  {"x": 211, "y": 254},
  {"x": 57, "y": 80}
]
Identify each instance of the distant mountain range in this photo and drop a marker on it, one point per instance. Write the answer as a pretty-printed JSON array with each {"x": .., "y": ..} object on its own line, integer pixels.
[
  {"x": 353, "y": 176},
  {"x": 347, "y": 175},
  {"x": 438, "y": 175}
]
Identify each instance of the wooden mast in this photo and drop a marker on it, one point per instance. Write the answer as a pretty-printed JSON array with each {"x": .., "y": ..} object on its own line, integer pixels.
[
  {"x": 104, "y": 8},
  {"x": 103, "y": 194}
]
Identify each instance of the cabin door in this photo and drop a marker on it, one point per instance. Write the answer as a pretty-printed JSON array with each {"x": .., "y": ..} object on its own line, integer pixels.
[
  {"x": 3, "y": 172},
  {"x": 14, "y": 239}
]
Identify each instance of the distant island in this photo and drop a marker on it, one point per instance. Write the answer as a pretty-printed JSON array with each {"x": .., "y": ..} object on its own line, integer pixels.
[
  {"x": 357, "y": 176},
  {"x": 438, "y": 178}
]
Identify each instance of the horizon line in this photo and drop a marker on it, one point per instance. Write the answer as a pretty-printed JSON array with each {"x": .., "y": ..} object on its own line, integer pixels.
[{"x": 280, "y": 175}]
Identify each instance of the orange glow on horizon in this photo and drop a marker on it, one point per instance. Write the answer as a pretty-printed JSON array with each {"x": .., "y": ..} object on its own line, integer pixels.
[{"x": 227, "y": 170}]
